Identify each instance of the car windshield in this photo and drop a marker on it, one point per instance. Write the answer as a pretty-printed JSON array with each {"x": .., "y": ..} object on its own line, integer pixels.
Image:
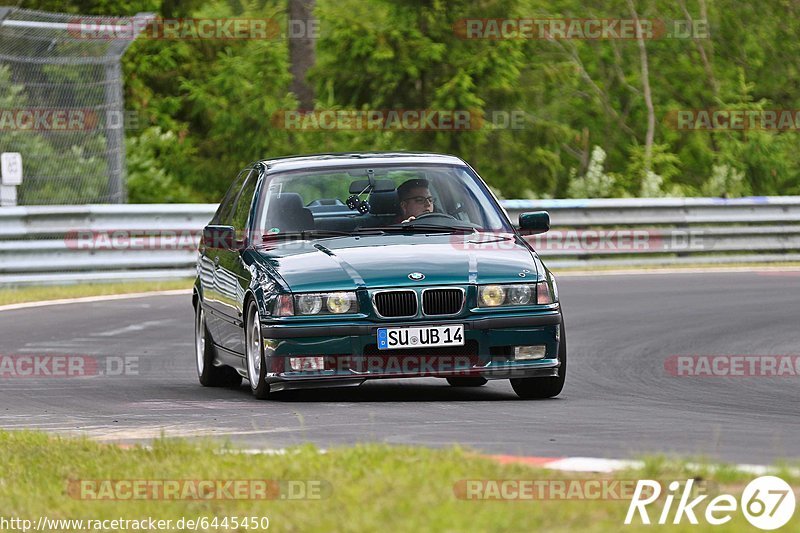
[{"x": 323, "y": 203}]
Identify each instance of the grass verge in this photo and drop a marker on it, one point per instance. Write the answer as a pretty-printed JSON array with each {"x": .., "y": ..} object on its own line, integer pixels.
[
  {"x": 362, "y": 488},
  {"x": 38, "y": 293}
]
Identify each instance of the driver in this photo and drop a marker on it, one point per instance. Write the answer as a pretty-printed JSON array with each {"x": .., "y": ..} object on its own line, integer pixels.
[{"x": 415, "y": 199}]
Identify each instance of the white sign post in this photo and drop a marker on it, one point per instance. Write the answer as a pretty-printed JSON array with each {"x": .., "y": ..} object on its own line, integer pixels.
[
  {"x": 11, "y": 168},
  {"x": 10, "y": 177}
]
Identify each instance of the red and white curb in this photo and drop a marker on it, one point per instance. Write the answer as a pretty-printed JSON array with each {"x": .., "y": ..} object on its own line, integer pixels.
[
  {"x": 569, "y": 464},
  {"x": 601, "y": 465}
]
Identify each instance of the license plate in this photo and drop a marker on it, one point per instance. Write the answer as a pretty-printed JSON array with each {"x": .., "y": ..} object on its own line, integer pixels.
[{"x": 420, "y": 337}]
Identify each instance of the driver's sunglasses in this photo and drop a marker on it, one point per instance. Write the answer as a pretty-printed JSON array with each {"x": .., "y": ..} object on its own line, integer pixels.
[{"x": 420, "y": 199}]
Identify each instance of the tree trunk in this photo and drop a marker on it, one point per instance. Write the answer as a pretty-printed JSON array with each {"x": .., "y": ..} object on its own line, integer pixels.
[
  {"x": 648, "y": 98},
  {"x": 302, "y": 53}
]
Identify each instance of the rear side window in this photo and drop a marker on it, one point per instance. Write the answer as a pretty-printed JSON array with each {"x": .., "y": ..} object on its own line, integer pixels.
[
  {"x": 241, "y": 208},
  {"x": 224, "y": 214}
]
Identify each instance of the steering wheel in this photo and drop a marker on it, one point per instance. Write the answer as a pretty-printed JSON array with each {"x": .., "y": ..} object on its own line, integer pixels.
[{"x": 433, "y": 215}]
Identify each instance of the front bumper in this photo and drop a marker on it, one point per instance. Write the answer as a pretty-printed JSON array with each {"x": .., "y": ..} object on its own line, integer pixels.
[{"x": 351, "y": 355}]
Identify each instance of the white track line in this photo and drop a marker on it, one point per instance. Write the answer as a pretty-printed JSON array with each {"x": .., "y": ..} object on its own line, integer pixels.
[
  {"x": 90, "y": 299},
  {"x": 646, "y": 271}
]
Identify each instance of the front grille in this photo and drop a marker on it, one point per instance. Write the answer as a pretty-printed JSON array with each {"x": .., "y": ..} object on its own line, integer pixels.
[
  {"x": 442, "y": 301},
  {"x": 394, "y": 304}
]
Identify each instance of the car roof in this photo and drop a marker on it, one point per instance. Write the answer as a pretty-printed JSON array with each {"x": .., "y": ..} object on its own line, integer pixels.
[{"x": 358, "y": 158}]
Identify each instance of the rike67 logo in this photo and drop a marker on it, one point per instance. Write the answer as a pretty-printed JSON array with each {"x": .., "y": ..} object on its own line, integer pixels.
[{"x": 767, "y": 502}]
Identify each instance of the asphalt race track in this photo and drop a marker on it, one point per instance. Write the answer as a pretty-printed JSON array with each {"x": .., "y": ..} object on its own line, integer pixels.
[{"x": 619, "y": 400}]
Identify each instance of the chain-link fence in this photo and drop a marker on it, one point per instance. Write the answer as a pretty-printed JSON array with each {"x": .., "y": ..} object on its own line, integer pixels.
[{"x": 61, "y": 105}]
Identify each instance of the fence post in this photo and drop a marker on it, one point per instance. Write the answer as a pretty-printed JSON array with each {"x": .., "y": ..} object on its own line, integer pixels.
[{"x": 115, "y": 132}]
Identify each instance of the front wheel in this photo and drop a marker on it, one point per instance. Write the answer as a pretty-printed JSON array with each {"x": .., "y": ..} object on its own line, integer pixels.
[
  {"x": 539, "y": 388},
  {"x": 256, "y": 365},
  {"x": 209, "y": 374}
]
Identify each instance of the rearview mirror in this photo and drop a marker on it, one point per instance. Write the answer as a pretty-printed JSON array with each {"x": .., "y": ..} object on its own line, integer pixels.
[
  {"x": 359, "y": 186},
  {"x": 220, "y": 237},
  {"x": 534, "y": 222}
]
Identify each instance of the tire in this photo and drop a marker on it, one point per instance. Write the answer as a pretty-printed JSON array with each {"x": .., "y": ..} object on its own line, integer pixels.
[
  {"x": 467, "y": 382},
  {"x": 540, "y": 388},
  {"x": 254, "y": 352},
  {"x": 208, "y": 374}
]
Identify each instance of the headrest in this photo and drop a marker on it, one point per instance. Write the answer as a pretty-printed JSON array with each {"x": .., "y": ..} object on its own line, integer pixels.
[
  {"x": 287, "y": 213},
  {"x": 384, "y": 203},
  {"x": 290, "y": 201}
]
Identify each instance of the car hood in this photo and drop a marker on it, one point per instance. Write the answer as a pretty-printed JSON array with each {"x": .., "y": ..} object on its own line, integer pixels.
[{"x": 387, "y": 260}]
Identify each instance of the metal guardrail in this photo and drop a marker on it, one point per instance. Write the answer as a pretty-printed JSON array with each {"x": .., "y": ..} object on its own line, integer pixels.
[
  {"x": 44, "y": 244},
  {"x": 658, "y": 211},
  {"x": 671, "y": 230},
  {"x": 56, "y": 244}
]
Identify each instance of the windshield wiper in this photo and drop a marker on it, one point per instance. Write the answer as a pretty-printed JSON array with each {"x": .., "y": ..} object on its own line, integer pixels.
[
  {"x": 382, "y": 230},
  {"x": 492, "y": 237},
  {"x": 417, "y": 228},
  {"x": 305, "y": 234}
]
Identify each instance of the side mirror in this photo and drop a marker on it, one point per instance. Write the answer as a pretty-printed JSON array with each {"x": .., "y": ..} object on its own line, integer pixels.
[
  {"x": 534, "y": 222},
  {"x": 220, "y": 237}
]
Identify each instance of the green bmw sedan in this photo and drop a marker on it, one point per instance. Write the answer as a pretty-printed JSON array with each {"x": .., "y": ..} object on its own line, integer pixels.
[{"x": 329, "y": 270}]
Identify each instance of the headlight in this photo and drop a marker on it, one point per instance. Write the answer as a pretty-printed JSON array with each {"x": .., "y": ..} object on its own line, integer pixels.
[
  {"x": 309, "y": 304},
  {"x": 514, "y": 295},
  {"x": 492, "y": 295},
  {"x": 519, "y": 294},
  {"x": 340, "y": 302},
  {"x": 325, "y": 303}
]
